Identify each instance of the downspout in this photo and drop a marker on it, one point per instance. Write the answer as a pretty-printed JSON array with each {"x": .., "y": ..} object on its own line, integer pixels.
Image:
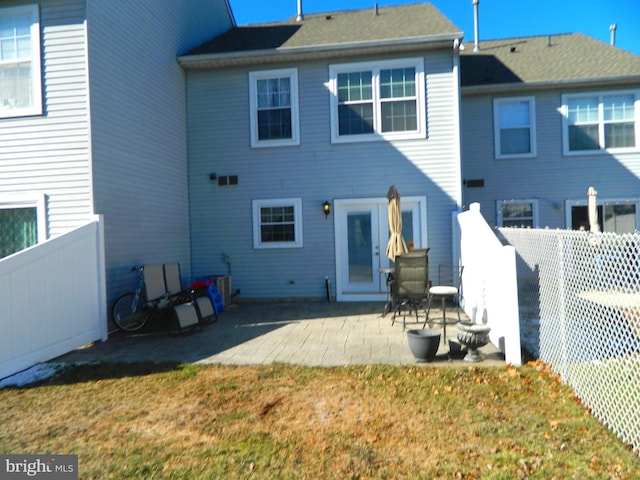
[{"x": 457, "y": 132}]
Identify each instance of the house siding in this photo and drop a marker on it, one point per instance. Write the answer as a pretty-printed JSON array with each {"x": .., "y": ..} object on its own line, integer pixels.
[
  {"x": 49, "y": 153},
  {"x": 138, "y": 119},
  {"x": 550, "y": 177},
  {"x": 315, "y": 171}
]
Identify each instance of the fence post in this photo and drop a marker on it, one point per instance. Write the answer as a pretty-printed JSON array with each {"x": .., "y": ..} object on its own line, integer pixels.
[
  {"x": 562, "y": 308},
  {"x": 102, "y": 278}
]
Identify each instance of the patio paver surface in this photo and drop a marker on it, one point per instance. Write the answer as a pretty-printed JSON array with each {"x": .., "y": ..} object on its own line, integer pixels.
[{"x": 300, "y": 333}]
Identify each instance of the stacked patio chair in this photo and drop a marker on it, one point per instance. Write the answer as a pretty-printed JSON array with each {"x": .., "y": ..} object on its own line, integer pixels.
[{"x": 163, "y": 282}]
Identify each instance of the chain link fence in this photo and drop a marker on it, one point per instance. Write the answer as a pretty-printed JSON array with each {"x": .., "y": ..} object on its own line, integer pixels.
[{"x": 579, "y": 300}]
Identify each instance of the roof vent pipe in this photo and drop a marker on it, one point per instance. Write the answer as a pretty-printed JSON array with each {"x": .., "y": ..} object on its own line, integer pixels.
[
  {"x": 300, "y": 16},
  {"x": 376, "y": 10},
  {"x": 476, "y": 27},
  {"x": 612, "y": 29}
]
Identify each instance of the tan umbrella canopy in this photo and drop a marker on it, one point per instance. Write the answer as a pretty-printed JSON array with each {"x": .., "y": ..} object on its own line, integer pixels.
[
  {"x": 592, "y": 210},
  {"x": 396, "y": 245}
]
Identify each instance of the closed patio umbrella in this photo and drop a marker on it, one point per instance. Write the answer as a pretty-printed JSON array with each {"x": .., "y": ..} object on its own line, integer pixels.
[
  {"x": 592, "y": 210},
  {"x": 396, "y": 245}
]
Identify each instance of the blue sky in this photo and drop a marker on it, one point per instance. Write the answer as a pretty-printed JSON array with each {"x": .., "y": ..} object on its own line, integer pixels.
[{"x": 498, "y": 18}]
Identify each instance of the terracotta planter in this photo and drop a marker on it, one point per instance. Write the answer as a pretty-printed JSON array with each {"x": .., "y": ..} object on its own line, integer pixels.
[{"x": 423, "y": 344}]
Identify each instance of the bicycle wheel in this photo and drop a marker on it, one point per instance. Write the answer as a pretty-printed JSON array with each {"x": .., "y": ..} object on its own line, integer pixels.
[{"x": 127, "y": 316}]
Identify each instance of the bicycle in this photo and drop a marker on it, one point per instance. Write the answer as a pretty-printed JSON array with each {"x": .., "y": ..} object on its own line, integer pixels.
[{"x": 131, "y": 311}]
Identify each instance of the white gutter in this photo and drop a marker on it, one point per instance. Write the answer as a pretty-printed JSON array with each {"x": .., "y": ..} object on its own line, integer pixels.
[
  {"x": 548, "y": 85},
  {"x": 294, "y": 53}
]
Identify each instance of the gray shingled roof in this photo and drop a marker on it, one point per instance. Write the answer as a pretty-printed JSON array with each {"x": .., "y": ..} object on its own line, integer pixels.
[
  {"x": 500, "y": 64},
  {"x": 543, "y": 60},
  {"x": 419, "y": 21}
]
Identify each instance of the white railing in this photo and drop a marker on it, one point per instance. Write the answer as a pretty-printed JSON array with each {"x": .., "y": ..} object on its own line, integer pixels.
[
  {"x": 489, "y": 282},
  {"x": 580, "y": 296},
  {"x": 53, "y": 298}
]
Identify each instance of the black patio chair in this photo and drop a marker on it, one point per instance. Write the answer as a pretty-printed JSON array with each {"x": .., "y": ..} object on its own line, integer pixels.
[{"x": 410, "y": 284}]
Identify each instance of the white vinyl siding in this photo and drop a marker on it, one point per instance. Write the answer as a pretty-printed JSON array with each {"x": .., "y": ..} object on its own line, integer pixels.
[
  {"x": 317, "y": 171},
  {"x": 552, "y": 177},
  {"x": 377, "y": 100},
  {"x": 601, "y": 121},
  {"x": 49, "y": 154},
  {"x": 514, "y": 127},
  {"x": 20, "y": 77},
  {"x": 139, "y": 126}
]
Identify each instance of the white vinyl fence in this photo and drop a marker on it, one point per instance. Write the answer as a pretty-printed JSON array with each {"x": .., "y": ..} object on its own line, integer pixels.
[
  {"x": 53, "y": 298},
  {"x": 580, "y": 296},
  {"x": 489, "y": 284}
]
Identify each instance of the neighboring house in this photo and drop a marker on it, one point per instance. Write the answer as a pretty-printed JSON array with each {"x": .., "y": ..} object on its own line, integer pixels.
[
  {"x": 280, "y": 119},
  {"x": 544, "y": 118},
  {"x": 93, "y": 121},
  {"x": 335, "y": 108}
]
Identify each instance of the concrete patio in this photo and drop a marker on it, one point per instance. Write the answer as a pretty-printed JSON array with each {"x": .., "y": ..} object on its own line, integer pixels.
[{"x": 299, "y": 333}]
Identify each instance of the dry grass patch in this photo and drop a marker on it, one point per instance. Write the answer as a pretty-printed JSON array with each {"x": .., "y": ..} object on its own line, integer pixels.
[{"x": 167, "y": 421}]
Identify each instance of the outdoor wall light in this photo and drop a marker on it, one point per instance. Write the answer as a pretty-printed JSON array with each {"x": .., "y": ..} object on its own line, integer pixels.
[{"x": 326, "y": 208}]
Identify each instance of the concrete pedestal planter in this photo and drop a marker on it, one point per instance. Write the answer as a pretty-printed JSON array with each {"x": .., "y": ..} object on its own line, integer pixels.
[
  {"x": 423, "y": 344},
  {"x": 473, "y": 336}
]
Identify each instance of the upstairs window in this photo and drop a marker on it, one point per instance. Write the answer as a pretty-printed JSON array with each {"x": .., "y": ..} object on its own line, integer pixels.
[
  {"x": 514, "y": 127},
  {"x": 274, "y": 108},
  {"x": 375, "y": 101},
  {"x": 598, "y": 122},
  {"x": 20, "y": 80}
]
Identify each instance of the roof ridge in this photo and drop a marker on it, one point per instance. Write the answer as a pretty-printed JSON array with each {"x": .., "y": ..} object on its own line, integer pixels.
[
  {"x": 372, "y": 8},
  {"x": 294, "y": 18},
  {"x": 528, "y": 37}
]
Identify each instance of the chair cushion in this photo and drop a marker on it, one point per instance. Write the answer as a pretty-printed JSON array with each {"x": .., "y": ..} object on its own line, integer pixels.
[
  {"x": 205, "y": 306},
  {"x": 154, "y": 282},
  {"x": 443, "y": 290},
  {"x": 172, "y": 278},
  {"x": 187, "y": 314}
]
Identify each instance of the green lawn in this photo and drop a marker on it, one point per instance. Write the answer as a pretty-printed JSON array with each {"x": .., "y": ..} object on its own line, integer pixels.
[{"x": 149, "y": 421}]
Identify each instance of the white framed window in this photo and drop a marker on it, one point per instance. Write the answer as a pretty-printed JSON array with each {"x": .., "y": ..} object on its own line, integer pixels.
[
  {"x": 277, "y": 223},
  {"x": 514, "y": 126},
  {"x": 517, "y": 213},
  {"x": 273, "y": 100},
  {"x": 595, "y": 122},
  {"x": 22, "y": 222},
  {"x": 378, "y": 100},
  {"x": 20, "y": 77},
  {"x": 614, "y": 215}
]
